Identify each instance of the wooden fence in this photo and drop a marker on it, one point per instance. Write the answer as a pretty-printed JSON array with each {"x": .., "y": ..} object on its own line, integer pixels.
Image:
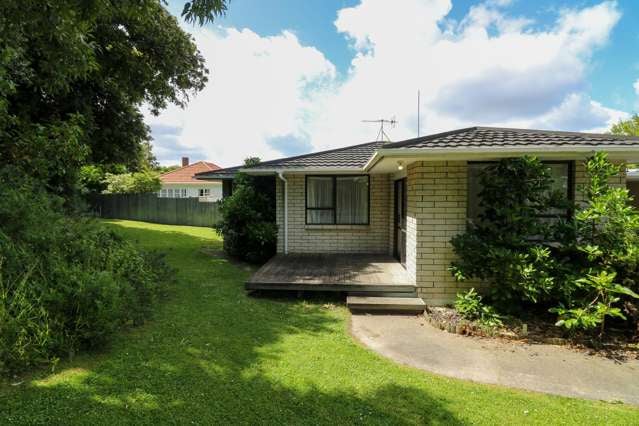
[{"x": 150, "y": 208}]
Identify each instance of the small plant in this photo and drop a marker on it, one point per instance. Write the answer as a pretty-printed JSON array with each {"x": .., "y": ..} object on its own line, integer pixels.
[
  {"x": 470, "y": 306},
  {"x": 603, "y": 295}
]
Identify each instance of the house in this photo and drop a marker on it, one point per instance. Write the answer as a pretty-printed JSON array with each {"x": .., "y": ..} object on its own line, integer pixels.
[
  {"x": 182, "y": 183},
  {"x": 376, "y": 219}
]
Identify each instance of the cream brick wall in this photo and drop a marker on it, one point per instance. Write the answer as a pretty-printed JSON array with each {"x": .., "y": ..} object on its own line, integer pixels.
[
  {"x": 302, "y": 238},
  {"x": 437, "y": 198}
]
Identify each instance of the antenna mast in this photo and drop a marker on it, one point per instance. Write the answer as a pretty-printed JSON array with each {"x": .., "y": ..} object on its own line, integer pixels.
[
  {"x": 418, "y": 124},
  {"x": 381, "y": 135}
]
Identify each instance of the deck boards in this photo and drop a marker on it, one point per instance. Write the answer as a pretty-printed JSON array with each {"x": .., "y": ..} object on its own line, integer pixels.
[{"x": 331, "y": 272}]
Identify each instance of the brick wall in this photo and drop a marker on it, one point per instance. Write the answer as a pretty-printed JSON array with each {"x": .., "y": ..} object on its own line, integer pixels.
[
  {"x": 302, "y": 238},
  {"x": 437, "y": 197}
]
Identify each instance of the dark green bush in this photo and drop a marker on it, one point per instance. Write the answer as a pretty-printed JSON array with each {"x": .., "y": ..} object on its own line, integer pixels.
[
  {"x": 508, "y": 246},
  {"x": 66, "y": 283},
  {"x": 248, "y": 220}
]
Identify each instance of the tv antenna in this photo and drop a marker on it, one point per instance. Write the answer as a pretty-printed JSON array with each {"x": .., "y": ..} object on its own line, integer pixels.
[{"x": 382, "y": 135}]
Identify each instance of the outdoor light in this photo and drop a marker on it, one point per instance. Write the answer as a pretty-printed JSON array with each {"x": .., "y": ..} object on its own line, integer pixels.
[{"x": 400, "y": 165}]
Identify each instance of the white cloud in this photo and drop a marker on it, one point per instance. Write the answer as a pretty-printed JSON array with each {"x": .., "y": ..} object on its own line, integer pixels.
[
  {"x": 636, "y": 87},
  {"x": 259, "y": 89},
  {"x": 270, "y": 96}
]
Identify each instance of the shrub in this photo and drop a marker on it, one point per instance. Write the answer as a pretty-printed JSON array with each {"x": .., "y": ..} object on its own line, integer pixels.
[
  {"x": 604, "y": 255},
  {"x": 66, "y": 283},
  {"x": 590, "y": 311},
  {"x": 470, "y": 306},
  {"x": 584, "y": 270},
  {"x": 498, "y": 248},
  {"x": 248, "y": 220},
  {"x": 132, "y": 183}
]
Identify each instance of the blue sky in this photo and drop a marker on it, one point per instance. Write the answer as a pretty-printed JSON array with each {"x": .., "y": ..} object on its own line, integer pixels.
[{"x": 291, "y": 76}]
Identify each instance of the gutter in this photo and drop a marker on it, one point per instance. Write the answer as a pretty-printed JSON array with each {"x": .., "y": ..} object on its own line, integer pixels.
[
  {"x": 398, "y": 152},
  {"x": 630, "y": 151},
  {"x": 280, "y": 174}
]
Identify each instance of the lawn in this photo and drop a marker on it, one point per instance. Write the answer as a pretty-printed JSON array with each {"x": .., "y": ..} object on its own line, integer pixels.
[{"x": 211, "y": 354}]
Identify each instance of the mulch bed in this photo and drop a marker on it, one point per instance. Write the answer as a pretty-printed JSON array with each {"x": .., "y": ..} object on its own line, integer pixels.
[{"x": 618, "y": 344}]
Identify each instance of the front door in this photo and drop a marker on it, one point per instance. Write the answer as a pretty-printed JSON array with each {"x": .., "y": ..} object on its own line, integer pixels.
[{"x": 400, "y": 220}]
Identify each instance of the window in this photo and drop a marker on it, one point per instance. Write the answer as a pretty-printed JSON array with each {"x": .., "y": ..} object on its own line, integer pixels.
[
  {"x": 170, "y": 193},
  {"x": 205, "y": 192},
  {"x": 163, "y": 193},
  {"x": 337, "y": 200},
  {"x": 561, "y": 171},
  {"x": 183, "y": 193}
]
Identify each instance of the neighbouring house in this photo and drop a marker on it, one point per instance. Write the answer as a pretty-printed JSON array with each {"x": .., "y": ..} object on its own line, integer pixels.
[
  {"x": 182, "y": 183},
  {"x": 376, "y": 219}
]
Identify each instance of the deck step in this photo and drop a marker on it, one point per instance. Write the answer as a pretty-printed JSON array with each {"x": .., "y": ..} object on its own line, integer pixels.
[
  {"x": 394, "y": 294},
  {"x": 385, "y": 304}
]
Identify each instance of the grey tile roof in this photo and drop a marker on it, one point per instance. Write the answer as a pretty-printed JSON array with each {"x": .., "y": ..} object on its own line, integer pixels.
[
  {"x": 357, "y": 156},
  {"x": 350, "y": 157},
  {"x": 226, "y": 173},
  {"x": 485, "y": 137}
]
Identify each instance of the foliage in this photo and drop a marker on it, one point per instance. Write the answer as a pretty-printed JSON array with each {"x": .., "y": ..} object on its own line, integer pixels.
[
  {"x": 166, "y": 169},
  {"x": 204, "y": 11},
  {"x": 132, "y": 183},
  {"x": 65, "y": 283},
  {"x": 498, "y": 247},
  {"x": 584, "y": 270},
  {"x": 605, "y": 250},
  {"x": 73, "y": 76},
  {"x": 470, "y": 306},
  {"x": 603, "y": 293},
  {"x": 248, "y": 219},
  {"x": 629, "y": 127}
]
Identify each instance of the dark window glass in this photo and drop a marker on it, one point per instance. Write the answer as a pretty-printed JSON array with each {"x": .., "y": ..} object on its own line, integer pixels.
[{"x": 339, "y": 200}]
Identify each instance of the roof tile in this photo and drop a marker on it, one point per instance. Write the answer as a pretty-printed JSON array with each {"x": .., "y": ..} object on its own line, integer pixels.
[{"x": 187, "y": 174}]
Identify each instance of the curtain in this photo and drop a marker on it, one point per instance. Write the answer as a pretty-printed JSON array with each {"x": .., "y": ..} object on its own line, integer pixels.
[
  {"x": 352, "y": 200},
  {"x": 319, "y": 195}
]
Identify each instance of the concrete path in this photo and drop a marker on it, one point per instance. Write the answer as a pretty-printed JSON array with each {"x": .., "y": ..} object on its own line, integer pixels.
[{"x": 558, "y": 370}]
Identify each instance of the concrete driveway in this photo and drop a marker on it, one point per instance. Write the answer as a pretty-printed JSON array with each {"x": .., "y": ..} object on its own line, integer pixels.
[{"x": 557, "y": 370}]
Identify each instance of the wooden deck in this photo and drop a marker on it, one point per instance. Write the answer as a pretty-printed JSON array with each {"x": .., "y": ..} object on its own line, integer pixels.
[{"x": 332, "y": 272}]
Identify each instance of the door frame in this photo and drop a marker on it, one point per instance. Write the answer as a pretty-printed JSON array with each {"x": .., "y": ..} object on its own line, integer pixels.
[{"x": 397, "y": 222}]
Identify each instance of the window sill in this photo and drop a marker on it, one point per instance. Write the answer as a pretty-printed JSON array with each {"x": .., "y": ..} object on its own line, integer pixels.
[{"x": 337, "y": 227}]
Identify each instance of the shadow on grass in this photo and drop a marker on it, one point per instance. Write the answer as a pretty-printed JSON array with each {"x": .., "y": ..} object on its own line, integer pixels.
[{"x": 213, "y": 355}]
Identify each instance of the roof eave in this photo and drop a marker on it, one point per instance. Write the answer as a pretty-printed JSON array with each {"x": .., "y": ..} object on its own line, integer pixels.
[
  {"x": 306, "y": 170},
  {"x": 397, "y": 152}
]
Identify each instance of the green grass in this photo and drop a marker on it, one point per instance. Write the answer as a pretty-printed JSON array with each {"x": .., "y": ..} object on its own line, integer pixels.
[{"x": 211, "y": 354}]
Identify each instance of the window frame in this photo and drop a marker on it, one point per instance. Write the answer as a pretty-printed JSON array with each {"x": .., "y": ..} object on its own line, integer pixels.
[
  {"x": 570, "y": 192},
  {"x": 334, "y": 208},
  {"x": 204, "y": 192}
]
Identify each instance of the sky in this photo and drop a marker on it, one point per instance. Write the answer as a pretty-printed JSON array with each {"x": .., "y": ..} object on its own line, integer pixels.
[{"x": 289, "y": 77}]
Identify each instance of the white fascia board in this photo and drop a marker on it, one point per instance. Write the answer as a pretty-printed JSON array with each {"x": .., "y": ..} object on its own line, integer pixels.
[{"x": 398, "y": 152}]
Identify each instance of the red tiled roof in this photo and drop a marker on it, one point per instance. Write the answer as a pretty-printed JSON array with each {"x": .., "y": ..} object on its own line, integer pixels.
[{"x": 186, "y": 174}]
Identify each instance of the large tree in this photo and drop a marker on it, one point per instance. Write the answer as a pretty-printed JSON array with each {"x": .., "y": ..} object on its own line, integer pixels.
[{"x": 75, "y": 73}]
